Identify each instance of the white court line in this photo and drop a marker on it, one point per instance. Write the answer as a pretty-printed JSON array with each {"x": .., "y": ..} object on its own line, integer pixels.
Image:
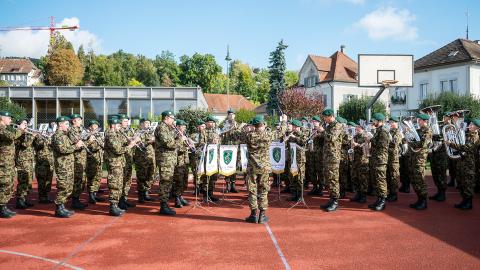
[
  {"x": 40, "y": 258},
  {"x": 277, "y": 247}
]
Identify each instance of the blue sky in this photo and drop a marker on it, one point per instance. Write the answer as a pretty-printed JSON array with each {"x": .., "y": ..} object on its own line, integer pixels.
[{"x": 251, "y": 28}]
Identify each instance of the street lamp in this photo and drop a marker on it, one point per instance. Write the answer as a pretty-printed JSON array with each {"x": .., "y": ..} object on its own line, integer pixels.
[{"x": 228, "y": 59}]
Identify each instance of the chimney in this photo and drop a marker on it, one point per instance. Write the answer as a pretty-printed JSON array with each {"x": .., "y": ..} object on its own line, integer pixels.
[{"x": 342, "y": 48}]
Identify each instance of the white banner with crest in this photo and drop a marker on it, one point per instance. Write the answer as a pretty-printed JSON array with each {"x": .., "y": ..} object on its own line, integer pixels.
[
  {"x": 211, "y": 157},
  {"x": 201, "y": 162},
  {"x": 228, "y": 159},
  {"x": 293, "y": 159},
  {"x": 277, "y": 157},
  {"x": 244, "y": 157}
]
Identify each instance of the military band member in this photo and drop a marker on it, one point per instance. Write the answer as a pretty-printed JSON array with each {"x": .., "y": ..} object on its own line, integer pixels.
[
  {"x": 63, "y": 151},
  {"x": 258, "y": 145},
  {"x": 80, "y": 154},
  {"x": 166, "y": 158},
  {"x": 393, "y": 166},
  {"x": 144, "y": 158},
  {"x": 44, "y": 167},
  {"x": 180, "y": 174},
  {"x": 466, "y": 165},
  {"x": 24, "y": 165},
  {"x": 300, "y": 138},
  {"x": 418, "y": 159},
  {"x": 333, "y": 137},
  {"x": 212, "y": 137},
  {"x": 439, "y": 163},
  {"x": 360, "y": 170},
  {"x": 94, "y": 170},
  {"x": 8, "y": 136},
  {"x": 115, "y": 147},
  {"x": 127, "y": 170},
  {"x": 317, "y": 174},
  {"x": 231, "y": 137}
]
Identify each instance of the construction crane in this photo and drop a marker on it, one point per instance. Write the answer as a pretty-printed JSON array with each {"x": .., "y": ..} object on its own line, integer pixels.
[{"x": 52, "y": 28}]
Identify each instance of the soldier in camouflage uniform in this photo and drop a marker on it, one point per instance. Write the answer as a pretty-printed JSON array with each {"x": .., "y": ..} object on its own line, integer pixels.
[
  {"x": 332, "y": 138},
  {"x": 212, "y": 137},
  {"x": 127, "y": 169},
  {"x": 80, "y": 178},
  {"x": 393, "y": 166},
  {"x": 316, "y": 144},
  {"x": 199, "y": 138},
  {"x": 300, "y": 138},
  {"x": 418, "y": 159},
  {"x": 466, "y": 165},
  {"x": 344, "y": 161},
  {"x": 8, "y": 136},
  {"x": 259, "y": 168},
  {"x": 94, "y": 170},
  {"x": 180, "y": 174},
  {"x": 378, "y": 161},
  {"x": 24, "y": 165},
  {"x": 44, "y": 167},
  {"x": 63, "y": 151},
  {"x": 115, "y": 147},
  {"x": 231, "y": 137},
  {"x": 360, "y": 170},
  {"x": 144, "y": 158},
  {"x": 439, "y": 163},
  {"x": 307, "y": 130},
  {"x": 166, "y": 158}
]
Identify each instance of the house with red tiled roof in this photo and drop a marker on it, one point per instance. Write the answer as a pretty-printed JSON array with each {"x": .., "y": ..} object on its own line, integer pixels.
[
  {"x": 19, "y": 72},
  {"x": 219, "y": 104},
  {"x": 335, "y": 77}
]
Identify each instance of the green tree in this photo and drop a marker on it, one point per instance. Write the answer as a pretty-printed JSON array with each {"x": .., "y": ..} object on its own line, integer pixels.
[
  {"x": 241, "y": 80},
  {"x": 104, "y": 73},
  {"x": 263, "y": 85},
  {"x": 452, "y": 102},
  {"x": 134, "y": 83},
  {"x": 64, "y": 68},
  {"x": 354, "y": 109},
  {"x": 191, "y": 116},
  {"x": 291, "y": 79},
  {"x": 146, "y": 71},
  {"x": 220, "y": 84},
  {"x": 4, "y": 83},
  {"x": 167, "y": 69},
  {"x": 17, "y": 111},
  {"x": 244, "y": 115},
  {"x": 199, "y": 70},
  {"x": 277, "y": 76}
]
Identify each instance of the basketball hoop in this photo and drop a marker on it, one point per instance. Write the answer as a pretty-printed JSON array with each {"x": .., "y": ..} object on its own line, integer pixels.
[{"x": 387, "y": 83}]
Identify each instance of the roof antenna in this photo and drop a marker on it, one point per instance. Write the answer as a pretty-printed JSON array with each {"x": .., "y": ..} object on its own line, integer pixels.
[{"x": 466, "y": 14}]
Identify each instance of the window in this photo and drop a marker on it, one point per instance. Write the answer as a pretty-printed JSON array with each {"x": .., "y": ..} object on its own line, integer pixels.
[
  {"x": 453, "y": 86},
  {"x": 183, "y": 104},
  {"x": 46, "y": 110},
  {"x": 68, "y": 107},
  {"x": 93, "y": 109},
  {"x": 161, "y": 105},
  {"x": 423, "y": 90},
  {"x": 2, "y": 77},
  {"x": 444, "y": 86},
  {"x": 139, "y": 108},
  {"x": 116, "y": 106}
]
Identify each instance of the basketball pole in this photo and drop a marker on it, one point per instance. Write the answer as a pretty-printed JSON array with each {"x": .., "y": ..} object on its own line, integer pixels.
[{"x": 368, "y": 111}]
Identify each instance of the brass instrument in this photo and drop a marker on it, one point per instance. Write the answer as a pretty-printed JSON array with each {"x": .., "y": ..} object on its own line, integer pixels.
[
  {"x": 432, "y": 111},
  {"x": 455, "y": 133},
  {"x": 188, "y": 142},
  {"x": 409, "y": 131}
]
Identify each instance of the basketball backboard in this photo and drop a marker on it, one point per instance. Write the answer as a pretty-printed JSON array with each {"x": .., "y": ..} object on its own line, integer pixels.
[{"x": 373, "y": 69}]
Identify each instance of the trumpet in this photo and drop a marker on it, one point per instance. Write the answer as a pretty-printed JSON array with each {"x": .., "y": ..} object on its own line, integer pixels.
[{"x": 188, "y": 142}]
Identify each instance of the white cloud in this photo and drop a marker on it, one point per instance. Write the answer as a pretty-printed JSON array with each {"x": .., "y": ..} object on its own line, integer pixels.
[
  {"x": 389, "y": 23},
  {"x": 35, "y": 43}
]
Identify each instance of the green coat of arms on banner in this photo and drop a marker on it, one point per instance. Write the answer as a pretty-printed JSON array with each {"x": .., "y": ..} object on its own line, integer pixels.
[
  {"x": 211, "y": 153},
  {"x": 277, "y": 154},
  {"x": 227, "y": 156}
]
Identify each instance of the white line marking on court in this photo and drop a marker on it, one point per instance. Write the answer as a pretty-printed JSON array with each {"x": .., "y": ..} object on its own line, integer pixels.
[
  {"x": 40, "y": 258},
  {"x": 277, "y": 247},
  {"x": 84, "y": 244}
]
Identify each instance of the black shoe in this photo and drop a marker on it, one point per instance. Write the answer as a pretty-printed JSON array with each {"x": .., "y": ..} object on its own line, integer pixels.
[
  {"x": 414, "y": 205},
  {"x": 11, "y": 212},
  {"x": 129, "y": 204},
  {"x": 325, "y": 206},
  {"x": 262, "y": 218},
  {"x": 91, "y": 198},
  {"x": 210, "y": 196},
  {"x": 333, "y": 206},
  {"x": 122, "y": 204},
  {"x": 363, "y": 198},
  {"x": 141, "y": 197},
  {"x": 380, "y": 206},
  {"x": 374, "y": 205},
  {"x": 439, "y": 197},
  {"x": 178, "y": 202},
  {"x": 147, "y": 197},
  {"x": 253, "y": 216},
  {"x": 61, "y": 212},
  {"x": 392, "y": 197},
  {"x": 184, "y": 202},
  {"x": 44, "y": 201},
  {"x": 70, "y": 212},
  {"x": 233, "y": 189},
  {"x": 422, "y": 205},
  {"x": 98, "y": 198},
  {"x": 115, "y": 210},
  {"x": 460, "y": 205},
  {"x": 404, "y": 189},
  {"x": 20, "y": 204},
  {"x": 356, "y": 198},
  {"x": 5, "y": 213},
  {"x": 77, "y": 204},
  {"x": 165, "y": 210},
  {"x": 29, "y": 203},
  {"x": 467, "y": 205}
]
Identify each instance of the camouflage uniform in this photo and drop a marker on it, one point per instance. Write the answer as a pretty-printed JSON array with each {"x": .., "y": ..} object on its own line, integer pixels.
[
  {"x": 115, "y": 148},
  {"x": 379, "y": 160},
  {"x": 127, "y": 170},
  {"x": 166, "y": 158},
  {"x": 466, "y": 164},
  {"x": 94, "y": 170},
  {"x": 24, "y": 164},
  {"x": 7, "y": 162},
  {"x": 318, "y": 179},
  {"x": 418, "y": 159},
  {"x": 296, "y": 184},
  {"x": 63, "y": 151},
  {"x": 360, "y": 172},
  {"x": 44, "y": 165},
  {"x": 344, "y": 174},
  {"x": 180, "y": 174},
  {"x": 144, "y": 158},
  {"x": 393, "y": 167},
  {"x": 80, "y": 162},
  {"x": 211, "y": 135},
  {"x": 333, "y": 137},
  {"x": 439, "y": 167},
  {"x": 405, "y": 170}
]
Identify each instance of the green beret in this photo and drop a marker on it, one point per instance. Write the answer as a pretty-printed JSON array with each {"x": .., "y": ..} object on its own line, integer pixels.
[
  {"x": 341, "y": 120},
  {"x": 350, "y": 123},
  {"x": 5, "y": 113},
  {"x": 113, "y": 120},
  {"x": 394, "y": 119},
  {"x": 230, "y": 111},
  {"x": 316, "y": 118},
  {"x": 447, "y": 114},
  {"x": 423, "y": 116},
  {"x": 62, "y": 119},
  {"x": 200, "y": 122},
  {"x": 258, "y": 120},
  {"x": 210, "y": 119},
  {"x": 304, "y": 118},
  {"x": 143, "y": 119},
  {"x": 297, "y": 123},
  {"x": 476, "y": 122},
  {"x": 93, "y": 122},
  {"x": 121, "y": 116},
  {"x": 180, "y": 122},
  {"x": 75, "y": 115},
  {"x": 378, "y": 116},
  {"x": 327, "y": 112}
]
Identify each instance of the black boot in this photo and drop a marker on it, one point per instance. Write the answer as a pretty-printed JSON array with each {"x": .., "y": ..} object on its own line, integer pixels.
[
  {"x": 178, "y": 202},
  {"x": 165, "y": 210},
  {"x": 98, "y": 198},
  {"x": 210, "y": 195},
  {"x": 262, "y": 218},
  {"x": 460, "y": 205},
  {"x": 129, "y": 204},
  {"x": 61, "y": 212},
  {"x": 325, "y": 206},
  {"x": 77, "y": 204},
  {"x": 404, "y": 189},
  {"x": 422, "y": 205},
  {"x": 115, "y": 210},
  {"x": 123, "y": 204},
  {"x": 147, "y": 197},
  {"x": 91, "y": 198},
  {"x": 373, "y": 205},
  {"x": 363, "y": 198},
  {"x": 70, "y": 212},
  {"x": 5, "y": 212},
  {"x": 253, "y": 216},
  {"x": 29, "y": 203},
  {"x": 295, "y": 196},
  {"x": 20, "y": 204},
  {"x": 233, "y": 189},
  {"x": 183, "y": 201},
  {"x": 467, "y": 205},
  {"x": 356, "y": 198},
  {"x": 414, "y": 205},
  {"x": 141, "y": 197},
  {"x": 392, "y": 197},
  {"x": 439, "y": 197},
  {"x": 381, "y": 205},
  {"x": 333, "y": 205}
]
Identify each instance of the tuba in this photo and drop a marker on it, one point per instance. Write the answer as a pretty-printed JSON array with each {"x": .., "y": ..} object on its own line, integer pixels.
[
  {"x": 409, "y": 131},
  {"x": 455, "y": 133},
  {"x": 432, "y": 111}
]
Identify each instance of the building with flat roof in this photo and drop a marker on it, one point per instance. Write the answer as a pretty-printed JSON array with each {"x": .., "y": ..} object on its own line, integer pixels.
[{"x": 46, "y": 103}]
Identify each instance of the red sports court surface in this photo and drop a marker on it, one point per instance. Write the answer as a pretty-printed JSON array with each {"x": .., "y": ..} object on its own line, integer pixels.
[{"x": 352, "y": 238}]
